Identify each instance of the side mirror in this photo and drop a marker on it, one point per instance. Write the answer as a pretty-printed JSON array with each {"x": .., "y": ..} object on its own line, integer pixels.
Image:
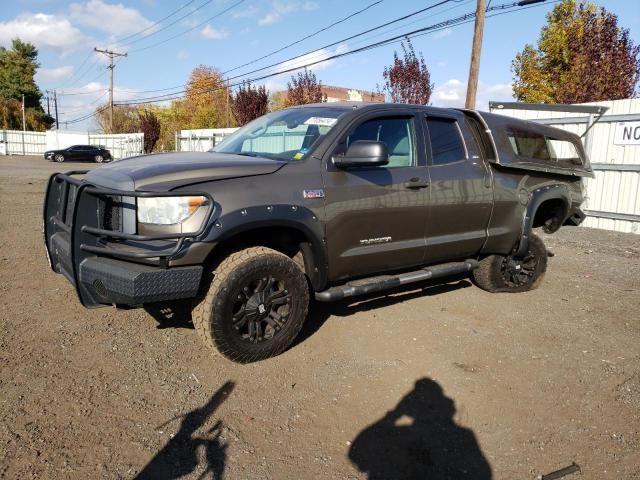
[{"x": 363, "y": 153}]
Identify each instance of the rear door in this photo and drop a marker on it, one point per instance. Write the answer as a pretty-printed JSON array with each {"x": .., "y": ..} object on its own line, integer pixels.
[
  {"x": 461, "y": 191},
  {"x": 375, "y": 216}
]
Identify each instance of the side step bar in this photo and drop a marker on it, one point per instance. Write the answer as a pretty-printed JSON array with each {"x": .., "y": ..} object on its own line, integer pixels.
[{"x": 385, "y": 282}]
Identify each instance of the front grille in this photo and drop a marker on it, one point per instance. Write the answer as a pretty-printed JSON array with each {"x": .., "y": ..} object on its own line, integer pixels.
[
  {"x": 71, "y": 200},
  {"x": 110, "y": 213}
]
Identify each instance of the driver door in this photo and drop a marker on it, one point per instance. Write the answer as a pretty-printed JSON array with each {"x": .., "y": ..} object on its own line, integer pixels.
[{"x": 375, "y": 216}]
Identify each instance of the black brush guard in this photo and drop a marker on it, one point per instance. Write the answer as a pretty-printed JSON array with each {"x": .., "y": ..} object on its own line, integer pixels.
[{"x": 108, "y": 266}]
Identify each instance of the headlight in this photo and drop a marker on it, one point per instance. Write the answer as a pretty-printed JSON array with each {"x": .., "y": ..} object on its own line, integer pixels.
[{"x": 168, "y": 210}]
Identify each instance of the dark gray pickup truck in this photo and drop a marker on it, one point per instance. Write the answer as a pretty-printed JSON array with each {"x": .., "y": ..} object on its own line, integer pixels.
[{"x": 330, "y": 200}]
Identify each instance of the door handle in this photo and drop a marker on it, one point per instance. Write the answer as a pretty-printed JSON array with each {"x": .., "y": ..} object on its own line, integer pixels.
[{"x": 416, "y": 183}]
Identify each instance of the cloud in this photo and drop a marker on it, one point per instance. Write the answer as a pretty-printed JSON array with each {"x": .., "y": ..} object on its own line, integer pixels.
[
  {"x": 54, "y": 74},
  {"x": 442, "y": 33},
  {"x": 213, "y": 34},
  {"x": 44, "y": 31},
  {"x": 312, "y": 57},
  {"x": 453, "y": 92},
  {"x": 249, "y": 11},
  {"x": 115, "y": 19},
  {"x": 182, "y": 54},
  {"x": 281, "y": 8}
]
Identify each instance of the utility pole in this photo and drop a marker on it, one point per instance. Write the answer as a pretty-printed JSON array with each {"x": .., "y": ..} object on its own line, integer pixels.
[
  {"x": 110, "y": 54},
  {"x": 228, "y": 122},
  {"x": 48, "y": 107},
  {"x": 474, "y": 68},
  {"x": 24, "y": 124},
  {"x": 55, "y": 107}
]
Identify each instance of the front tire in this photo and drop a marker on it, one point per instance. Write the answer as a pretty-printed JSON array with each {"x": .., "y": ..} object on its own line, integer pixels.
[
  {"x": 255, "y": 306},
  {"x": 59, "y": 158},
  {"x": 98, "y": 159},
  {"x": 499, "y": 273}
]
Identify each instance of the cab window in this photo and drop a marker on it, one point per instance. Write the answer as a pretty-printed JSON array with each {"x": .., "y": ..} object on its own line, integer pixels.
[
  {"x": 446, "y": 141},
  {"x": 396, "y": 133}
]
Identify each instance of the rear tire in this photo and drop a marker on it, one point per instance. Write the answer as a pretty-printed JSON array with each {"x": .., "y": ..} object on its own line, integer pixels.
[
  {"x": 499, "y": 273},
  {"x": 59, "y": 158},
  {"x": 255, "y": 306}
]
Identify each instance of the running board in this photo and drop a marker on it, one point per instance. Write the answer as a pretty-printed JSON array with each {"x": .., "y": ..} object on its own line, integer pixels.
[{"x": 384, "y": 282}]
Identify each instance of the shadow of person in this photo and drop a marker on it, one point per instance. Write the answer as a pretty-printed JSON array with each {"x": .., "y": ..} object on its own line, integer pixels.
[
  {"x": 179, "y": 456},
  {"x": 419, "y": 439}
]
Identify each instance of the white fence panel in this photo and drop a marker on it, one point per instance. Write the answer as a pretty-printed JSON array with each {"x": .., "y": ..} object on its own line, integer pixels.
[
  {"x": 121, "y": 145},
  {"x": 17, "y": 142},
  {"x": 201, "y": 140},
  {"x": 613, "y": 196}
]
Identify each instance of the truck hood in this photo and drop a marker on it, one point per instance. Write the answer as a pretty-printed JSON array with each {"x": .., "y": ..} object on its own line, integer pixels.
[{"x": 166, "y": 171}]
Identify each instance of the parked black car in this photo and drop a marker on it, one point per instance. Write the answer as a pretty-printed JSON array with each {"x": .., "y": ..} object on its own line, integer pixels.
[{"x": 79, "y": 153}]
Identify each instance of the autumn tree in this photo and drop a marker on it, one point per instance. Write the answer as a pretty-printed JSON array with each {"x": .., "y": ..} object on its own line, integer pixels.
[
  {"x": 408, "y": 79},
  {"x": 582, "y": 55},
  {"x": 249, "y": 103},
  {"x": 304, "y": 88},
  {"x": 125, "y": 119},
  {"x": 207, "y": 102},
  {"x": 277, "y": 101},
  {"x": 149, "y": 124},
  {"x": 18, "y": 66}
]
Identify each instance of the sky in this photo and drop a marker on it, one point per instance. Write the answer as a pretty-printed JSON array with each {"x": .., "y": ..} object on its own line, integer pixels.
[{"x": 164, "y": 40}]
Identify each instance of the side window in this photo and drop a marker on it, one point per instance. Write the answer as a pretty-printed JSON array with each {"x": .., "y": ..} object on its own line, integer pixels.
[
  {"x": 396, "y": 133},
  {"x": 446, "y": 141},
  {"x": 528, "y": 144}
]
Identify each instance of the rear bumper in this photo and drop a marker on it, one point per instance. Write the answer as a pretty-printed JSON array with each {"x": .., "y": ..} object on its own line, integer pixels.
[{"x": 576, "y": 217}]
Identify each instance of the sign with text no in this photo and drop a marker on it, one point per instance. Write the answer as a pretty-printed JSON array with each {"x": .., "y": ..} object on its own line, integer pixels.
[{"x": 627, "y": 133}]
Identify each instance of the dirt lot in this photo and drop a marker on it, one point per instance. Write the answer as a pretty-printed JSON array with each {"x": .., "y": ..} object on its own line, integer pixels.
[{"x": 445, "y": 377}]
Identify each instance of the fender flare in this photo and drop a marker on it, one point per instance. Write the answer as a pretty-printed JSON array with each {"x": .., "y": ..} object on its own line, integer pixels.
[
  {"x": 295, "y": 217},
  {"x": 536, "y": 198}
]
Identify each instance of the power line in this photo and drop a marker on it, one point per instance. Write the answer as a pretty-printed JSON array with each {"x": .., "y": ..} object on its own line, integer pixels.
[
  {"x": 281, "y": 48},
  {"x": 399, "y": 19},
  {"x": 158, "y": 22},
  {"x": 460, "y": 20},
  {"x": 466, "y": 18},
  {"x": 324, "y": 29},
  {"x": 219, "y": 14}
]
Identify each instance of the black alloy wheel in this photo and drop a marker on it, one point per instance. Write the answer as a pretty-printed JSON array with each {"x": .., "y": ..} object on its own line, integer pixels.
[
  {"x": 518, "y": 272},
  {"x": 255, "y": 305},
  {"x": 261, "y": 310},
  {"x": 506, "y": 273}
]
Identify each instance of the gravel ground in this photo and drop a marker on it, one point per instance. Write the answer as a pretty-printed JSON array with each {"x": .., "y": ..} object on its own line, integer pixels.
[{"x": 447, "y": 377}]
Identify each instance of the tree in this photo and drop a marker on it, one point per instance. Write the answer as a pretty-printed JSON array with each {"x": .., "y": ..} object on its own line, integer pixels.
[
  {"x": 408, "y": 79},
  {"x": 18, "y": 66},
  {"x": 304, "y": 88},
  {"x": 125, "y": 119},
  {"x": 249, "y": 103},
  {"x": 277, "y": 101},
  {"x": 207, "y": 102},
  {"x": 582, "y": 55},
  {"x": 150, "y": 126}
]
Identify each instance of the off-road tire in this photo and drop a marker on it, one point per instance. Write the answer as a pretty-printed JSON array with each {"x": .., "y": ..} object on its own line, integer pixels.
[
  {"x": 98, "y": 159},
  {"x": 59, "y": 158},
  {"x": 490, "y": 277},
  {"x": 213, "y": 313}
]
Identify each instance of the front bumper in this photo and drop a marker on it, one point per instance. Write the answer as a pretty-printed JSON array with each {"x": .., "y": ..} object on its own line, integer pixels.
[
  {"x": 112, "y": 281},
  {"x": 106, "y": 265}
]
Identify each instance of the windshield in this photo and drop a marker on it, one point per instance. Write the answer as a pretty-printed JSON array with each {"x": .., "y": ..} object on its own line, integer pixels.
[{"x": 283, "y": 135}]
